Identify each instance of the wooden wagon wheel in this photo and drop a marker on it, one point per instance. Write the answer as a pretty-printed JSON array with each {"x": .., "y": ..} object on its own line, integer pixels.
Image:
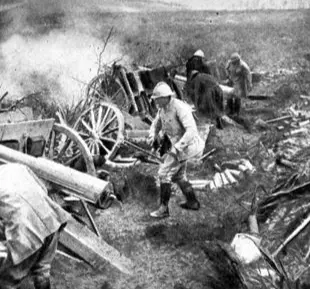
[
  {"x": 108, "y": 88},
  {"x": 102, "y": 127},
  {"x": 66, "y": 146}
]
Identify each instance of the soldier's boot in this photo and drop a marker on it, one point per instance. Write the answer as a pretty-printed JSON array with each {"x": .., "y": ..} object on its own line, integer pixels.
[
  {"x": 163, "y": 210},
  {"x": 191, "y": 201}
]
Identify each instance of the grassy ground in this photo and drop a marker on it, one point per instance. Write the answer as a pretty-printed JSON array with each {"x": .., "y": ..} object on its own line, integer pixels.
[{"x": 267, "y": 40}]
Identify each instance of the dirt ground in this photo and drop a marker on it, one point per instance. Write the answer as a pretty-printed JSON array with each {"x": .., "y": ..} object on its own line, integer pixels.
[{"x": 166, "y": 253}]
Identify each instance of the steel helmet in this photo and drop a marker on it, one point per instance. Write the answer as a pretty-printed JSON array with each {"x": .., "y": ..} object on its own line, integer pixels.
[
  {"x": 235, "y": 57},
  {"x": 199, "y": 53},
  {"x": 162, "y": 89}
]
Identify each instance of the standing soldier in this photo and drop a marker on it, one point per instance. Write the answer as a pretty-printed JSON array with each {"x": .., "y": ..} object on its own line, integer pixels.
[
  {"x": 175, "y": 119},
  {"x": 239, "y": 75},
  {"x": 197, "y": 62},
  {"x": 30, "y": 223}
]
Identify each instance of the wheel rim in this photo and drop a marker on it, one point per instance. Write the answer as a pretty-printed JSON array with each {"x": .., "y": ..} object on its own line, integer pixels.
[
  {"x": 65, "y": 146},
  {"x": 105, "y": 87},
  {"x": 102, "y": 128}
]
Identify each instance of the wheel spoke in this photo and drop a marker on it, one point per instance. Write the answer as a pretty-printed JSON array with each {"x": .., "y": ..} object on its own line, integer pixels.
[
  {"x": 68, "y": 162},
  {"x": 108, "y": 139},
  {"x": 86, "y": 125},
  {"x": 97, "y": 148},
  {"x": 104, "y": 118},
  {"x": 99, "y": 117},
  {"x": 104, "y": 147},
  {"x": 109, "y": 123},
  {"x": 109, "y": 131},
  {"x": 91, "y": 148},
  {"x": 83, "y": 134},
  {"x": 92, "y": 118},
  {"x": 116, "y": 93},
  {"x": 64, "y": 149}
]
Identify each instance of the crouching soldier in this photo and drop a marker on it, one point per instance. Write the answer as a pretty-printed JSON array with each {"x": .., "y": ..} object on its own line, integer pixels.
[
  {"x": 175, "y": 119},
  {"x": 30, "y": 223}
]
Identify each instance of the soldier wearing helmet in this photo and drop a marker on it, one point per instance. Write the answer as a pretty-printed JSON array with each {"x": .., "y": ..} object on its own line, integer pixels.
[
  {"x": 239, "y": 75},
  {"x": 175, "y": 119},
  {"x": 197, "y": 62}
]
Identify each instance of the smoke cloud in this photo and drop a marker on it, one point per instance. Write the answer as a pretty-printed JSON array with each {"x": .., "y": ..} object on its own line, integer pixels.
[{"x": 49, "y": 45}]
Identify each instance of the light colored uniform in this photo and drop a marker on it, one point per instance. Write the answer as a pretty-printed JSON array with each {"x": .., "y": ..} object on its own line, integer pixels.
[
  {"x": 240, "y": 75},
  {"x": 177, "y": 121},
  {"x": 31, "y": 223}
]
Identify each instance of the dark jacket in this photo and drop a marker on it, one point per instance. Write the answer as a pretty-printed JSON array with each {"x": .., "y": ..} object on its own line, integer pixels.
[
  {"x": 197, "y": 63},
  {"x": 206, "y": 94}
]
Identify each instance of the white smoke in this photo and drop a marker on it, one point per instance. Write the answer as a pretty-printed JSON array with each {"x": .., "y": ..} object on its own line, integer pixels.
[{"x": 61, "y": 61}]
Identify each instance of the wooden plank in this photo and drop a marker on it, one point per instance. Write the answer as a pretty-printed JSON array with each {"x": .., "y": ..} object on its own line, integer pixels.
[
  {"x": 95, "y": 251},
  {"x": 20, "y": 130}
]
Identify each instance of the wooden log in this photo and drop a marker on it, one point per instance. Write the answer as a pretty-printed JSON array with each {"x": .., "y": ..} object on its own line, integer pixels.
[
  {"x": 295, "y": 131},
  {"x": 224, "y": 179},
  {"x": 92, "y": 249},
  {"x": 279, "y": 119},
  {"x": 230, "y": 177},
  {"x": 212, "y": 185},
  {"x": 236, "y": 173},
  {"x": 80, "y": 184},
  {"x": 296, "y": 232},
  {"x": 303, "y": 123},
  {"x": 218, "y": 180},
  {"x": 206, "y": 155}
]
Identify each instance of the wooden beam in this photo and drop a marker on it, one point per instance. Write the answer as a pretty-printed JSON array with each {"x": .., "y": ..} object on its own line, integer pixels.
[{"x": 92, "y": 249}]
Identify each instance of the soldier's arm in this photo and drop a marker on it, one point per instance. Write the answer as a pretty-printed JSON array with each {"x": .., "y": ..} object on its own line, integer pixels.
[
  {"x": 155, "y": 127},
  {"x": 185, "y": 116},
  {"x": 247, "y": 76}
]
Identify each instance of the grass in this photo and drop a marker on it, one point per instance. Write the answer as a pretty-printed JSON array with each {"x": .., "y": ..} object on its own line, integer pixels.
[{"x": 266, "y": 40}]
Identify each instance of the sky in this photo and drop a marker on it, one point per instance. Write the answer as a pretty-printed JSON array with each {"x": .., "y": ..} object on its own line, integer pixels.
[{"x": 240, "y": 4}]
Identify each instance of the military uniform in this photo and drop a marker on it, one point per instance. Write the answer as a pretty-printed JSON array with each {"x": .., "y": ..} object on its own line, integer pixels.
[
  {"x": 240, "y": 75},
  {"x": 31, "y": 222},
  {"x": 177, "y": 122},
  {"x": 175, "y": 119},
  {"x": 206, "y": 94}
]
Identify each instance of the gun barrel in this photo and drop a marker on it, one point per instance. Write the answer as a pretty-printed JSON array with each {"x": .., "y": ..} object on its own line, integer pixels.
[{"x": 71, "y": 181}]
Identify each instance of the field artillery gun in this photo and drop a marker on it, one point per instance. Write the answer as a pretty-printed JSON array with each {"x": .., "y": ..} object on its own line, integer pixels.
[
  {"x": 115, "y": 99},
  {"x": 130, "y": 90},
  {"x": 48, "y": 149}
]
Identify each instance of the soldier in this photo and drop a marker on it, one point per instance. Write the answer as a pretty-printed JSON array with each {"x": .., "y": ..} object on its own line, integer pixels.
[
  {"x": 175, "y": 119},
  {"x": 206, "y": 94},
  {"x": 197, "y": 62},
  {"x": 30, "y": 224},
  {"x": 239, "y": 75}
]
